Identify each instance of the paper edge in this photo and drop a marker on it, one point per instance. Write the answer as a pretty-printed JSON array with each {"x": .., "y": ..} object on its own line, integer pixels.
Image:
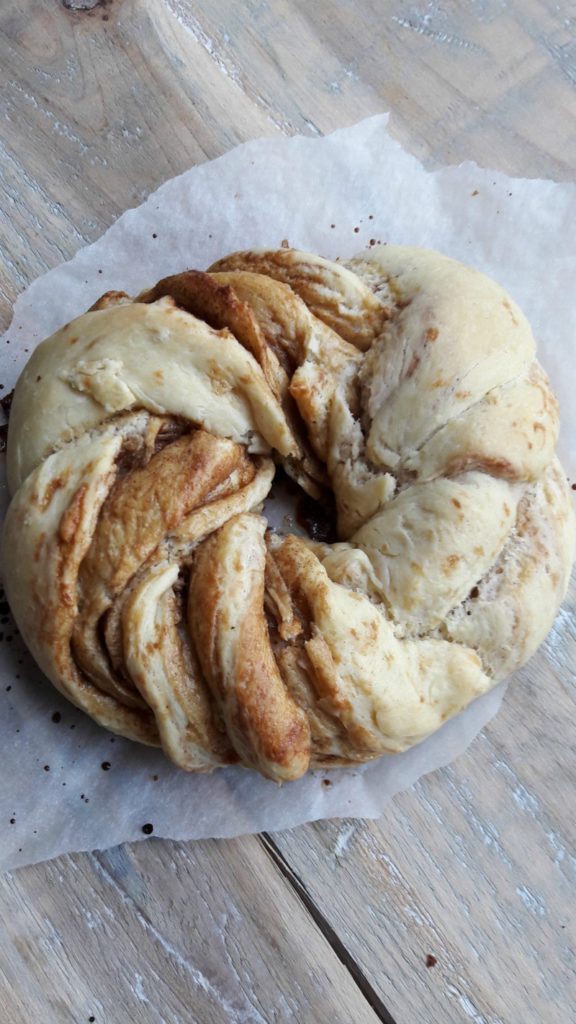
[{"x": 377, "y": 120}]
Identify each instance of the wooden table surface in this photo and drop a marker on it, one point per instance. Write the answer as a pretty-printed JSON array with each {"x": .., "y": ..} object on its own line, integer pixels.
[{"x": 458, "y": 904}]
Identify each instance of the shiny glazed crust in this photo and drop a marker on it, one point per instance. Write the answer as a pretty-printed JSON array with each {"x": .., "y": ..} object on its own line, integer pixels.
[{"x": 142, "y": 443}]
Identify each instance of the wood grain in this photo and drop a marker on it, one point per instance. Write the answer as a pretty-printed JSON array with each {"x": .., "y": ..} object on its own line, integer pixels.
[
  {"x": 168, "y": 932},
  {"x": 475, "y": 866}
]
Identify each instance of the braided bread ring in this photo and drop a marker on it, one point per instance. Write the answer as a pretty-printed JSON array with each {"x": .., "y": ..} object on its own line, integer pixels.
[{"x": 141, "y": 447}]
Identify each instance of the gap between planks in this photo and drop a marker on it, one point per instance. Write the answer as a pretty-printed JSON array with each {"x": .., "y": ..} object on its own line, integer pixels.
[{"x": 328, "y": 932}]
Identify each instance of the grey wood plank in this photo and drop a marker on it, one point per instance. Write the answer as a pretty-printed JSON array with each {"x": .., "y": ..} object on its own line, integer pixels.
[{"x": 170, "y": 933}]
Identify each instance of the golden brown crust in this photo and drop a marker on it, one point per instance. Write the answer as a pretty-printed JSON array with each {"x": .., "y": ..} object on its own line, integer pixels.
[
  {"x": 163, "y": 664},
  {"x": 109, "y": 299},
  {"x": 207, "y": 299},
  {"x": 142, "y": 579},
  {"x": 334, "y": 295},
  {"x": 270, "y": 322},
  {"x": 141, "y": 509},
  {"x": 226, "y": 616}
]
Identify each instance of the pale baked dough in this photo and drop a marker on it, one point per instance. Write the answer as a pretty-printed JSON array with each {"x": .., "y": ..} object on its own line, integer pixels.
[{"x": 141, "y": 446}]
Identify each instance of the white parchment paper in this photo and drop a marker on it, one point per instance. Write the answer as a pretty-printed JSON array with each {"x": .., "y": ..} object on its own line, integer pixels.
[{"x": 68, "y": 785}]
